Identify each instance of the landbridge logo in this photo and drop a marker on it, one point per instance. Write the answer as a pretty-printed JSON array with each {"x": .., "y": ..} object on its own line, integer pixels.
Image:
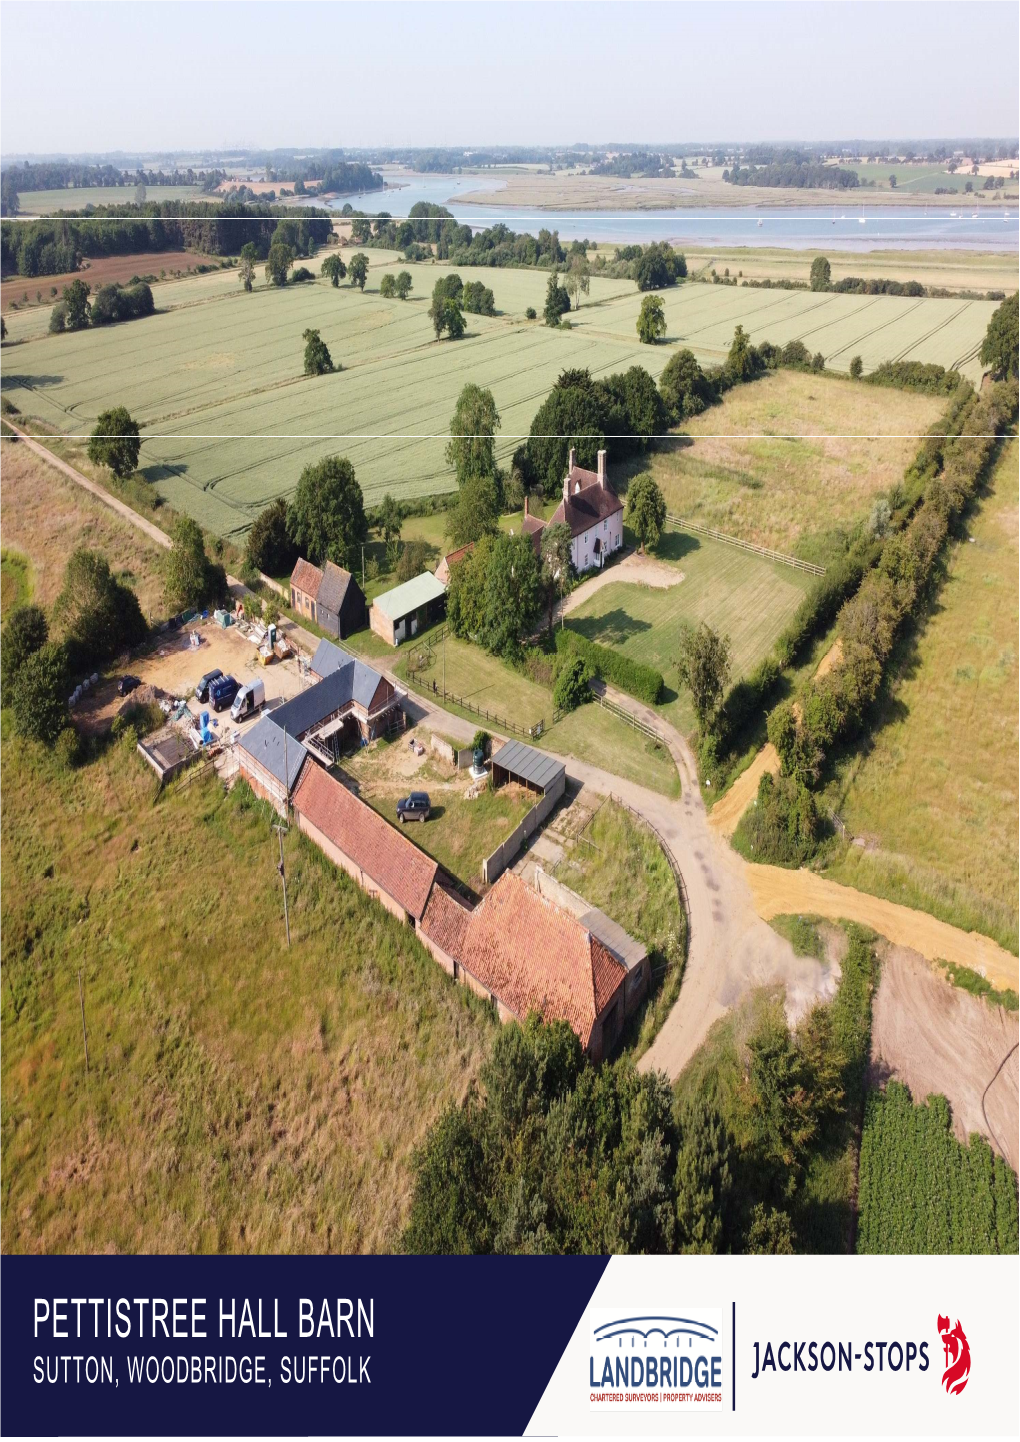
[
  {"x": 957, "y": 1350},
  {"x": 655, "y": 1361}
]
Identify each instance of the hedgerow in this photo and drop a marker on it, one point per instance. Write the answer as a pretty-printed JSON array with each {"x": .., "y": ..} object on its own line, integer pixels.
[{"x": 640, "y": 681}]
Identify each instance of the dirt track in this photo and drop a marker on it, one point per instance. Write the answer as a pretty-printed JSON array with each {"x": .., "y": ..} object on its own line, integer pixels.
[
  {"x": 934, "y": 1037},
  {"x": 777, "y": 892},
  {"x": 636, "y": 570},
  {"x": 726, "y": 813}
]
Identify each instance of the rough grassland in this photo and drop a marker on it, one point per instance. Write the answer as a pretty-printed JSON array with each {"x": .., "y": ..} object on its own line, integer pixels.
[
  {"x": 45, "y": 517},
  {"x": 791, "y": 495},
  {"x": 242, "y": 1096},
  {"x": 216, "y": 379},
  {"x": 935, "y": 797},
  {"x": 738, "y": 595}
]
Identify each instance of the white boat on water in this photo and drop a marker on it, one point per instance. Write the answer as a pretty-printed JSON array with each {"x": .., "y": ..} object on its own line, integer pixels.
[{"x": 760, "y": 223}]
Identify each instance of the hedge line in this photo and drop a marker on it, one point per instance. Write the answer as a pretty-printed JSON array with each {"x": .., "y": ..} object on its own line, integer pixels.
[
  {"x": 833, "y": 709},
  {"x": 642, "y": 682}
]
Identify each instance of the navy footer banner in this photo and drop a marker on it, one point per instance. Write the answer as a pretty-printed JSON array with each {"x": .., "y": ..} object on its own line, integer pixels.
[{"x": 416, "y": 1346}]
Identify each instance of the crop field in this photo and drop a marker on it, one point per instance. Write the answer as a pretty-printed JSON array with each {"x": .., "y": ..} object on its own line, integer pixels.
[
  {"x": 876, "y": 327},
  {"x": 215, "y": 377},
  {"x": 739, "y": 595},
  {"x": 977, "y": 270},
  {"x": 791, "y": 495},
  {"x": 920, "y": 1191},
  {"x": 46, "y": 202},
  {"x": 935, "y": 796}
]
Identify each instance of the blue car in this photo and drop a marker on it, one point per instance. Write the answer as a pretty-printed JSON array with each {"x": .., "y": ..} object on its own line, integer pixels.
[{"x": 222, "y": 692}]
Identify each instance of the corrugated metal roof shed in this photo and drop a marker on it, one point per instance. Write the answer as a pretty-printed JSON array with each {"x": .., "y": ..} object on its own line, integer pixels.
[
  {"x": 265, "y": 743},
  {"x": 402, "y": 600},
  {"x": 527, "y": 764}
]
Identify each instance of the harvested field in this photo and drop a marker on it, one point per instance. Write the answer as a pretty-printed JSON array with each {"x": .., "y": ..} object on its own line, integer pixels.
[
  {"x": 792, "y": 495},
  {"x": 934, "y": 799},
  {"x": 45, "y": 516},
  {"x": 102, "y": 270},
  {"x": 934, "y": 1037}
]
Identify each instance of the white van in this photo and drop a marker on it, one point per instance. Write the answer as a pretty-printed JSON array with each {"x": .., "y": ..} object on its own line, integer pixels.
[{"x": 249, "y": 699}]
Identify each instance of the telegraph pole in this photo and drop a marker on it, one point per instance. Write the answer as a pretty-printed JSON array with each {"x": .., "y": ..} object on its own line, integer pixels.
[{"x": 280, "y": 828}]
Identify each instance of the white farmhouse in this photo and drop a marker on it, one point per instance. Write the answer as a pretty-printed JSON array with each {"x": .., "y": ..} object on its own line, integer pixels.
[{"x": 592, "y": 510}]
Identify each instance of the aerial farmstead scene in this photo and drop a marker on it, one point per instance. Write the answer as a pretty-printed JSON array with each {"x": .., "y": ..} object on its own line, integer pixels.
[{"x": 508, "y": 667}]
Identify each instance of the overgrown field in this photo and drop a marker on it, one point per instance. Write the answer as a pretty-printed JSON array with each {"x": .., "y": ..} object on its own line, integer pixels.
[
  {"x": 798, "y": 496},
  {"x": 217, "y": 378},
  {"x": 241, "y": 1096},
  {"x": 739, "y": 595},
  {"x": 46, "y": 516},
  {"x": 934, "y": 796},
  {"x": 920, "y": 1191}
]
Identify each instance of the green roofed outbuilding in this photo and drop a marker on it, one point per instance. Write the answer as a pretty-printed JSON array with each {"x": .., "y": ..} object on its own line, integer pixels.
[{"x": 409, "y": 609}]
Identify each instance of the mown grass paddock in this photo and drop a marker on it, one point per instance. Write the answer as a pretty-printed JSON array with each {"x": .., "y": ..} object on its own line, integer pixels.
[
  {"x": 934, "y": 797},
  {"x": 216, "y": 376}
]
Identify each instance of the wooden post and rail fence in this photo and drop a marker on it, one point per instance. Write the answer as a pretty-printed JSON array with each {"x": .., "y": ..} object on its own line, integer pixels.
[{"x": 766, "y": 553}]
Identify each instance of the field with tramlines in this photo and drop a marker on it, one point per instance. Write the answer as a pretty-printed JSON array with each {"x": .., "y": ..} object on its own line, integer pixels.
[
  {"x": 47, "y": 202},
  {"x": 215, "y": 376},
  {"x": 920, "y": 1191}
]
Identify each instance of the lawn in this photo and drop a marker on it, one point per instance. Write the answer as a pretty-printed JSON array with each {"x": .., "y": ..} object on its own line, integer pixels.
[
  {"x": 589, "y": 733},
  {"x": 934, "y": 796},
  {"x": 216, "y": 376},
  {"x": 45, "y": 516},
  {"x": 459, "y": 833},
  {"x": 747, "y": 599},
  {"x": 241, "y": 1096},
  {"x": 797, "y": 496}
]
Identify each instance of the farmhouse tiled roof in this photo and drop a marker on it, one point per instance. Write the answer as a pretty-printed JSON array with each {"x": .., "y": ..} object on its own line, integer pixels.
[
  {"x": 333, "y": 587},
  {"x": 306, "y": 577},
  {"x": 452, "y": 557},
  {"x": 536, "y": 957},
  {"x": 392, "y": 861},
  {"x": 586, "y": 507},
  {"x": 445, "y": 920}
]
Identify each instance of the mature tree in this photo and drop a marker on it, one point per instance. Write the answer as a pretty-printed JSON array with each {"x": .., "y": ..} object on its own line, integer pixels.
[
  {"x": 97, "y": 614},
  {"x": 478, "y": 299},
  {"x": 703, "y": 666},
  {"x": 475, "y": 421},
  {"x": 556, "y": 563},
  {"x": 447, "y": 315},
  {"x": 703, "y": 1180},
  {"x": 777, "y": 1102},
  {"x": 318, "y": 361},
  {"x": 651, "y": 321},
  {"x": 578, "y": 412},
  {"x": 821, "y": 273},
  {"x": 334, "y": 268},
  {"x": 646, "y": 510},
  {"x": 771, "y": 1233},
  {"x": 327, "y": 515},
  {"x": 279, "y": 262},
  {"x": 571, "y": 689},
  {"x": 999, "y": 347},
  {"x": 466, "y": 597},
  {"x": 449, "y": 1208},
  {"x": 247, "y": 263},
  {"x": 856, "y": 368},
  {"x": 684, "y": 387},
  {"x": 403, "y": 284},
  {"x": 476, "y": 512},
  {"x": 139, "y": 194},
  {"x": 269, "y": 546},
  {"x": 185, "y": 567},
  {"x": 414, "y": 558},
  {"x": 449, "y": 287},
  {"x": 557, "y": 301},
  {"x": 358, "y": 269},
  {"x": 39, "y": 694},
  {"x": 513, "y": 595},
  {"x": 635, "y": 392},
  {"x": 388, "y": 518},
  {"x": 659, "y": 265},
  {"x": 388, "y": 286},
  {"x": 578, "y": 278},
  {"x": 77, "y": 311},
  {"x": 742, "y": 361},
  {"x": 115, "y": 442},
  {"x": 25, "y": 632}
]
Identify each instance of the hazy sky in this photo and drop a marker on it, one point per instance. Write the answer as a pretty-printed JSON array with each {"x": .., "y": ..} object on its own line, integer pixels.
[{"x": 173, "y": 76}]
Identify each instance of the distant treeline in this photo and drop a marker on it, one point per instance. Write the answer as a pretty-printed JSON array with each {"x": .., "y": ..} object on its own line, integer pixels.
[
  {"x": 432, "y": 225},
  {"x": 636, "y": 162},
  {"x": 801, "y": 174},
  {"x": 17, "y": 179},
  {"x": 319, "y": 173},
  {"x": 58, "y": 244}
]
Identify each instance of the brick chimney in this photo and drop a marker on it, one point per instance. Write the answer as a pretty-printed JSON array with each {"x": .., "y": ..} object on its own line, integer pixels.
[
  {"x": 571, "y": 459},
  {"x": 526, "y": 511},
  {"x": 602, "y": 469}
]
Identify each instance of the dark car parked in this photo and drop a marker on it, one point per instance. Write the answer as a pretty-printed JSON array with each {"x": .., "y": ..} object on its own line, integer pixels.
[
  {"x": 127, "y": 684},
  {"x": 202, "y": 689},
  {"x": 415, "y": 807},
  {"x": 222, "y": 692}
]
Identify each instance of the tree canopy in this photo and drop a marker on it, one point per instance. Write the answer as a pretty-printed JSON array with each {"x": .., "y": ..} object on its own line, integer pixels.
[
  {"x": 333, "y": 268},
  {"x": 358, "y": 269},
  {"x": 269, "y": 546},
  {"x": 246, "y": 265},
  {"x": 189, "y": 577},
  {"x": 115, "y": 442},
  {"x": 97, "y": 614},
  {"x": 326, "y": 518},
  {"x": 318, "y": 361},
  {"x": 473, "y": 426},
  {"x": 278, "y": 263},
  {"x": 646, "y": 510},
  {"x": 651, "y": 321},
  {"x": 684, "y": 387},
  {"x": 25, "y": 631},
  {"x": 821, "y": 273},
  {"x": 1000, "y": 345},
  {"x": 703, "y": 666}
]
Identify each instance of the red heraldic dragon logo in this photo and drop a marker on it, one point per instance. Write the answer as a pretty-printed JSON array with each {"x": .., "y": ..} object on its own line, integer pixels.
[{"x": 957, "y": 1350}]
